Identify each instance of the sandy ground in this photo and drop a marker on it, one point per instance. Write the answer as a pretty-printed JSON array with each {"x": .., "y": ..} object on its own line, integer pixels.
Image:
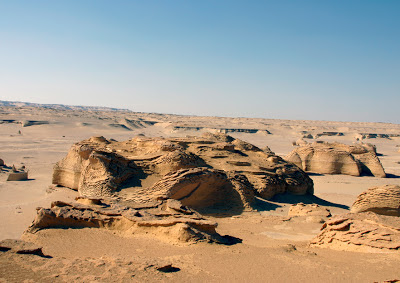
[{"x": 273, "y": 250}]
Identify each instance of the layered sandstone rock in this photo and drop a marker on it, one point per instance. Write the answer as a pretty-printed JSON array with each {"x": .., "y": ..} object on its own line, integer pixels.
[
  {"x": 336, "y": 158},
  {"x": 131, "y": 169},
  {"x": 383, "y": 200},
  {"x": 365, "y": 232},
  {"x": 168, "y": 220}
]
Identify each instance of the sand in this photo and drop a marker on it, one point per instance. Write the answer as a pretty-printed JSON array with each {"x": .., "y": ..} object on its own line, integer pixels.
[{"x": 273, "y": 249}]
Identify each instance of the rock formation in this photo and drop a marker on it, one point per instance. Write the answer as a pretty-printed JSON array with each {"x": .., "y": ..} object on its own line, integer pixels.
[
  {"x": 20, "y": 247},
  {"x": 301, "y": 209},
  {"x": 383, "y": 200},
  {"x": 366, "y": 232},
  {"x": 98, "y": 167},
  {"x": 336, "y": 158},
  {"x": 168, "y": 219}
]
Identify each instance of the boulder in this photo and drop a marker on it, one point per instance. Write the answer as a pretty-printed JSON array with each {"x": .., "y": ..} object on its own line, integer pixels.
[
  {"x": 100, "y": 168},
  {"x": 363, "y": 232},
  {"x": 336, "y": 158},
  {"x": 383, "y": 200},
  {"x": 167, "y": 219}
]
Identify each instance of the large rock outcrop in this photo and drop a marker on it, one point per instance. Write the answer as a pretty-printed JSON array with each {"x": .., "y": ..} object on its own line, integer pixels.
[
  {"x": 168, "y": 220},
  {"x": 383, "y": 200},
  {"x": 98, "y": 167},
  {"x": 336, "y": 158},
  {"x": 365, "y": 232}
]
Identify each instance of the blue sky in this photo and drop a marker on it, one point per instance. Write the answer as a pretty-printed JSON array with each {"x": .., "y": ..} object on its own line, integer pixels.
[{"x": 320, "y": 60}]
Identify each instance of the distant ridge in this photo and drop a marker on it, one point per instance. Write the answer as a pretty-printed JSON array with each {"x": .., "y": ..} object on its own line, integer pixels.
[{"x": 60, "y": 106}]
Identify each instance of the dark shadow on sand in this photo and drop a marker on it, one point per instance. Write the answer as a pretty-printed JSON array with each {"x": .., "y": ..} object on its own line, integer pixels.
[
  {"x": 306, "y": 199},
  {"x": 314, "y": 174},
  {"x": 392, "y": 176}
]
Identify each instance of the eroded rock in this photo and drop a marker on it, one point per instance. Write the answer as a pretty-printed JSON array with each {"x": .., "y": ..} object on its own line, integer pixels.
[
  {"x": 301, "y": 209},
  {"x": 366, "y": 232},
  {"x": 383, "y": 200},
  {"x": 168, "y": 220},
  {"x": 336, "y": 158},
  {"x": 101, "y": 168}
]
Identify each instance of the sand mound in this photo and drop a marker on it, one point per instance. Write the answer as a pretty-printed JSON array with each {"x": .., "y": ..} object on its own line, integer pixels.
[
  {"x": 98, "y": 167},
  {"x": 167, "y": 220},
  {"x": 383, "y": 200},
  {"x": 336, "y": 158},
  {"x": 366, "y": 232}
]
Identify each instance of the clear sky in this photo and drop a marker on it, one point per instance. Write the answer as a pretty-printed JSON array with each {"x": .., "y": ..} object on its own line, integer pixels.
[{"x": 299, "y": 59}]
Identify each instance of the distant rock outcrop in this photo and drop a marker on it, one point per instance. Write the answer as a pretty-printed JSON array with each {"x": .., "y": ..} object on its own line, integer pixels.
[
  {"x": 383, "y": 200},
  {"x": 168, "y": 220},
  {"x": 98, "y": 167},
  {"x": 336, "y": 158},
  {"x": 365, "y": 232}
]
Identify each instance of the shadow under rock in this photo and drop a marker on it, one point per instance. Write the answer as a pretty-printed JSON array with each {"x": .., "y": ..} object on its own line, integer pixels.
[
  {"x": 306, "y": 199},
  {"x": 314, "y": 174},
  {"x": 261, "y": 204},
  {"x": 392, "y": 176}
]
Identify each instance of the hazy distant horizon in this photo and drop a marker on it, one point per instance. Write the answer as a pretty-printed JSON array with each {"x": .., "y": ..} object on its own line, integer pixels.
[
  {"x": 179, "y": 114},
  {"x": 295, "y": 60}
]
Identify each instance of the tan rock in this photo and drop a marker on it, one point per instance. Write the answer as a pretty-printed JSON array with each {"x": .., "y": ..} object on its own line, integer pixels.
[
  {"x": 167, "y": 220},
  {"x": 336, "y": 158},
  {"x": 98, "y": 167},
  {"x": 17, "y": 176},
  {"x": 363, "y": 232},
  {"x": 20, "y": 247},
  {"x": 383, "y": 200},
  {"x": 301, "y": 209}
]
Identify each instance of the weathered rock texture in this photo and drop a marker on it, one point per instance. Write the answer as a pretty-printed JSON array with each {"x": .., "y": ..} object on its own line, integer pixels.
[
  {"x": 168, "y": 219},
  {"x": 366, "y": 232},
  {"x": 211, "y": 164},
  {"x": 301, "y": 209},
  {"x": 336, "y": 158},
  {"x": 383, "y": 200}
]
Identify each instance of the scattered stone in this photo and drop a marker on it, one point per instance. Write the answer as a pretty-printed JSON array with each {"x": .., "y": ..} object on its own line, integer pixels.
[{"x": 383, "y": 200}]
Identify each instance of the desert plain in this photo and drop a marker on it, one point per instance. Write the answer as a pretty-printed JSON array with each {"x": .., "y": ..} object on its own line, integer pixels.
[{"x": 270, "y": 246}]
